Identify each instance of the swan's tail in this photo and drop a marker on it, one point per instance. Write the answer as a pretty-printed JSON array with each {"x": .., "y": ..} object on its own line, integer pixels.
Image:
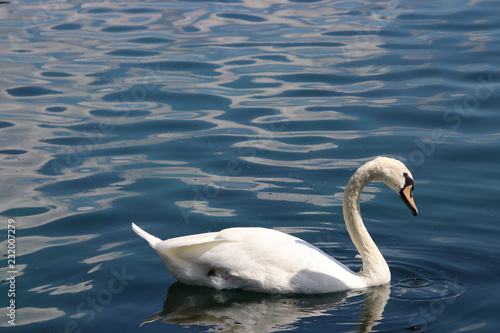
[{"x": 152, "y": 240}]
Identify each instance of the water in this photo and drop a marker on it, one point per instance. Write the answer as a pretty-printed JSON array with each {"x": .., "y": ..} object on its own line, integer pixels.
[{"x": 193, "y": 116}]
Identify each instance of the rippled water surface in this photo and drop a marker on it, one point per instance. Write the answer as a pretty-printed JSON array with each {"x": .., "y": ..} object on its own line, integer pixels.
[{"x": 193, "y": 116}]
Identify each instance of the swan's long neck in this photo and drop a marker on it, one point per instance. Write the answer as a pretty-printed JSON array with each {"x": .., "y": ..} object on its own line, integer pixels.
[{"x": 375, "y": 270}]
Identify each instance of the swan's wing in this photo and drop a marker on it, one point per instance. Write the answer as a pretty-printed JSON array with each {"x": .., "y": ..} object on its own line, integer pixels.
[
  {"x": 278, "y": 262},
  {"x": 251, "y": 258}
]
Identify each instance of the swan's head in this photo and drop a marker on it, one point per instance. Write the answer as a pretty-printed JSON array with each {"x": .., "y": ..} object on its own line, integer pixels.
[{"x": 396, "y": 175}]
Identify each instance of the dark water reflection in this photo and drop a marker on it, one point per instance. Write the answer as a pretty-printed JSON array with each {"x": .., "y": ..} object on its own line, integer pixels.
[{"x": 240, "y": 311}]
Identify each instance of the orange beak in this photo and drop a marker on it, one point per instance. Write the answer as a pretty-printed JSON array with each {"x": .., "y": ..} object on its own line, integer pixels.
[{"x": 407, "y": 195}]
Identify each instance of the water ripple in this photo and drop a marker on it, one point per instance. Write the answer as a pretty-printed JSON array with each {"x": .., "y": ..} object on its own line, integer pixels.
[{"x": 423, "y": 289}]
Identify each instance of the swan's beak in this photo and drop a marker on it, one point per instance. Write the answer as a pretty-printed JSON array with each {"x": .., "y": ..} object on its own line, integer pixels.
[{"x": 407, "y": 195}]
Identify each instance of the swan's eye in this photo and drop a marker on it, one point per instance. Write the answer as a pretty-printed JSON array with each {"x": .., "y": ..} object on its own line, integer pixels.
[{"x": 408, "y": 181}]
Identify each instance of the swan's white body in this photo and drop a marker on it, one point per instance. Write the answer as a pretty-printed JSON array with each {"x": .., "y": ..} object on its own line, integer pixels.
[{"x": 266, "y": 260}]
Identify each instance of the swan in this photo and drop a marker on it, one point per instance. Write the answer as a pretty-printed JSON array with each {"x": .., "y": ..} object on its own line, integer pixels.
[{"x": 270, "y": 261}]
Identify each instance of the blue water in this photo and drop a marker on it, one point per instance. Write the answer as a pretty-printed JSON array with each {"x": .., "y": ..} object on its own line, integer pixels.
[{"x": 193, "y": 116}]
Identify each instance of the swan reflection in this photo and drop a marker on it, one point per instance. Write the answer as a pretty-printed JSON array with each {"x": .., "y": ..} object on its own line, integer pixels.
[{"x": 244, "y": 311}]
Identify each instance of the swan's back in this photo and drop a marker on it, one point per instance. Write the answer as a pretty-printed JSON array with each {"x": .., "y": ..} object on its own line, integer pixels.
[{"x": 255, "y": 259}]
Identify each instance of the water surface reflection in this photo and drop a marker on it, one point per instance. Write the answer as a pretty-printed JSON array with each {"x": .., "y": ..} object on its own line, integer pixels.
[{"x": 243, "y": 311}]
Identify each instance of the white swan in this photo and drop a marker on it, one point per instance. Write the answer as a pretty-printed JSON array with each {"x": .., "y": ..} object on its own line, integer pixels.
[{"x": 266, "y": 260}]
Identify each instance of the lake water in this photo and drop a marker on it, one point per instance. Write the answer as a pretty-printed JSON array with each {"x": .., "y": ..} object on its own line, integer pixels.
[{"x": 193, "y": 116}]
